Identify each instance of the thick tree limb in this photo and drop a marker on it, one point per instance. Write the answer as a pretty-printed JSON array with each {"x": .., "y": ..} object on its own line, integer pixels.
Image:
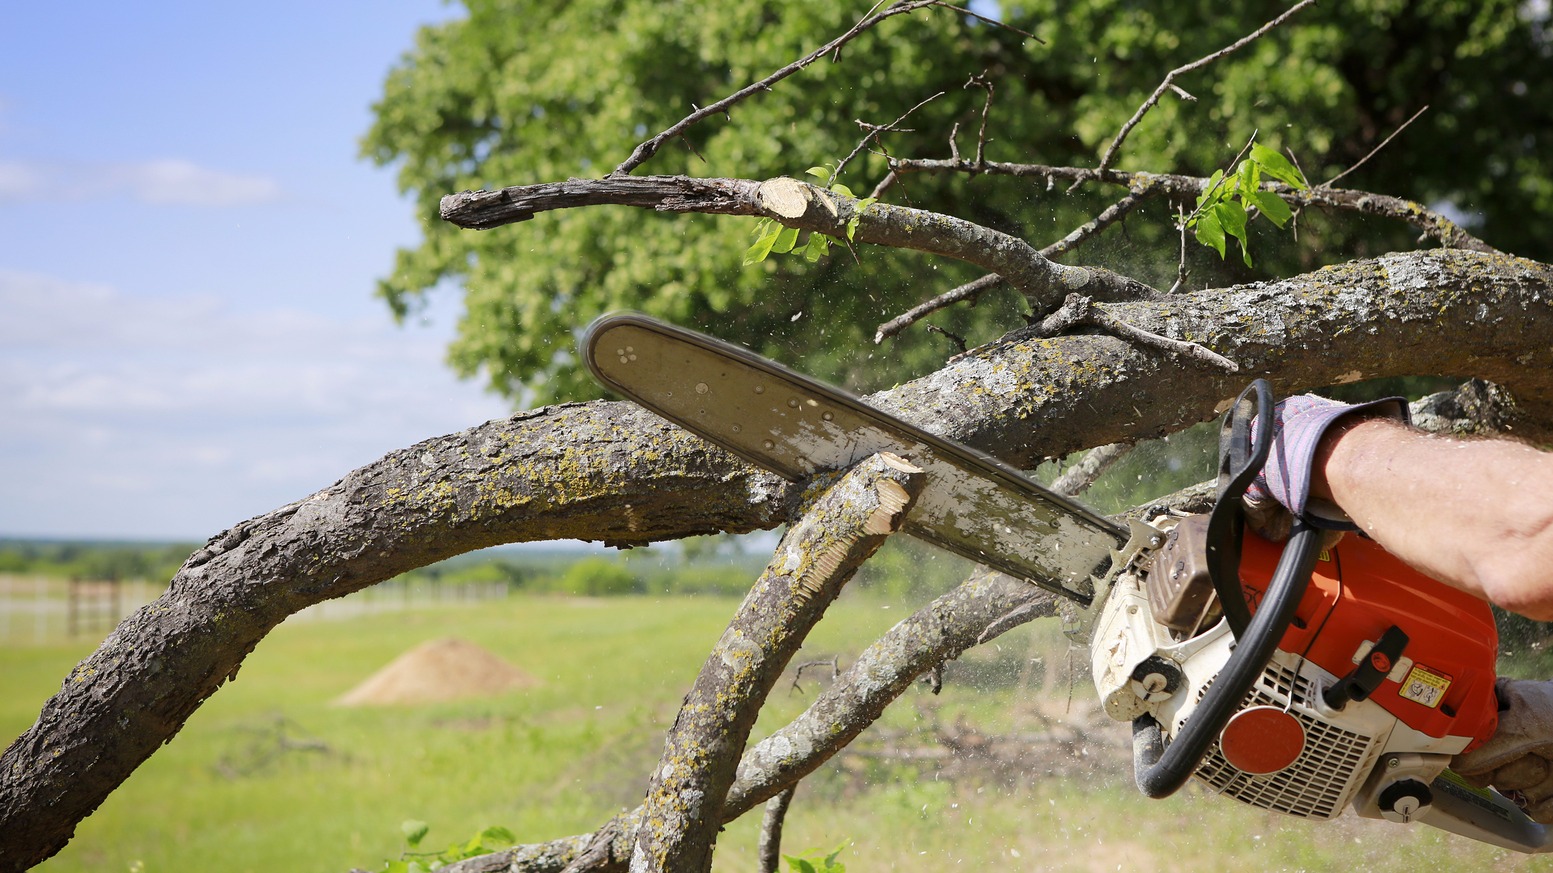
[
  {"x": 845, "y": 520},
  {"x": 612, "y": 472},
  {"x": 800, "y": 205}
]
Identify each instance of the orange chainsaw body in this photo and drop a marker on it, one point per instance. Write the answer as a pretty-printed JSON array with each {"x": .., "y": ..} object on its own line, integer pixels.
[{"x": 1443, "y": 683}]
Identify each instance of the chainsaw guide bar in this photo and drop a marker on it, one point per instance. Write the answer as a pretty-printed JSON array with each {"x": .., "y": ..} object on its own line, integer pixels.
[{"x": 795, "y": 426}]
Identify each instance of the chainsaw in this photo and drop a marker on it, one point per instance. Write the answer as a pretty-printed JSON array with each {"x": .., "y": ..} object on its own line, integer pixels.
[{"x": 1292, "y": 677}]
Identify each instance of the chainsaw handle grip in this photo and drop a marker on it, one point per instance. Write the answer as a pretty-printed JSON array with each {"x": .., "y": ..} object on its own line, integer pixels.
[
  {"x": 1160, "y": 770},
  {"x": 1242, "y": 455}
]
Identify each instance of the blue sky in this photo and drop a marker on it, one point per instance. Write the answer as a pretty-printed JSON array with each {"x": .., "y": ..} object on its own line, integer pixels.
[{"x": 188, "y": 249}]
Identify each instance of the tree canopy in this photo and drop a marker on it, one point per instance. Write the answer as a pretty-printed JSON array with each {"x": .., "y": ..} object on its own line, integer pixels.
[{"x": 520, "y": 92}]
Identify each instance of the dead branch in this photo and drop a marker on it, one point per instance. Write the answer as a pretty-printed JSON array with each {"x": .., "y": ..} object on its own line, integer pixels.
[
  {"x": 1077, "y": 478},
  {"x": 768, "y": 854},
  {"x": 800, "y": 205},
  {"x": 938, "y": 632},
  {"x": 969, "y": 291}
]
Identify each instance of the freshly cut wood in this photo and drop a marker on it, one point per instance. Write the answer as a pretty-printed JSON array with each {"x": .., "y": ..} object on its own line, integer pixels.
[{"x": 438, "y": 671}]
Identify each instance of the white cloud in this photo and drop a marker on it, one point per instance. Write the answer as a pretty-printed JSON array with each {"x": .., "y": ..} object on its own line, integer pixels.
[
  {"x": 165, "y": 182},
  {"x": 184, "y": 183},
  {"x": 176, "y": 417}
]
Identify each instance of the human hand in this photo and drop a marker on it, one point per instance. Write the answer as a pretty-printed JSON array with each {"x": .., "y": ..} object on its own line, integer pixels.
[
  {"x": 1281, "y": 490},
  {"x": 1518, "y": 759}
]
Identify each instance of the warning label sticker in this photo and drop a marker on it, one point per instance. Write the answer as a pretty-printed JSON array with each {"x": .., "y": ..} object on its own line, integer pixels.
[{"x": 1425, "y": 686}]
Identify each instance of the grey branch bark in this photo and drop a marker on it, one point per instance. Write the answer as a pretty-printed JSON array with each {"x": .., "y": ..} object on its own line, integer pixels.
[
  {"x": 800, "y": 205},
  {"x": 768, "y": 854},
  {"x": 609, "y": 471},
  {"x": 1429, "y": 222},
  {"x": 846, "y": 518}
]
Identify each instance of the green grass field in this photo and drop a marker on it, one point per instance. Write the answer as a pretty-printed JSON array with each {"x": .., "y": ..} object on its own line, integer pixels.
[{"x": 559, "y": 758}]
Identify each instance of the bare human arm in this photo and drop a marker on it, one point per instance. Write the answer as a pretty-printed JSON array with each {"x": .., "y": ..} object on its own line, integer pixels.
[{"x": 1477, "y": 514}]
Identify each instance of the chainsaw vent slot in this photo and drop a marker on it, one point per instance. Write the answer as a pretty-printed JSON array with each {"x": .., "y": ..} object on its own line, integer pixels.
[{"x": 1320, "y": 781}]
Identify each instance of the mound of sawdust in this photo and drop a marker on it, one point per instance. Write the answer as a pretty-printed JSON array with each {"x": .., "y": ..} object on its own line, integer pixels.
[{"x": 435, "y": 671}]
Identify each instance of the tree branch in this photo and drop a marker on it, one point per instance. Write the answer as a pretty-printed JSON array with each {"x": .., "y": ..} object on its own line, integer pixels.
[
  {"x": 800, "y": 205},
  {"x": 768, "y": 854},
  {"x": 643, "y": 152},
  {"x": 1431, "y": 223},
  {"x": 846, "y": 518},
  {"x": 1170, "y": 77}
]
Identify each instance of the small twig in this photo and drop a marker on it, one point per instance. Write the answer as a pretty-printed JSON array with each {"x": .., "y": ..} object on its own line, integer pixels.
[
  {"x": 1432, "y": 223},
  {"x": 1116, "y": 144},
  {"x": 834, "y": 663},
  {"x": 645, "y": 150},
  {"x": 1112, "y": 214},
  {"x": 1078, "y": 309},
  {"x": 968, "y": 291},
  {"x": 769, "y": 851},
  {"x": 1181, "y": 271},
  {"x": 958, "y": 340},
  {"x": 1076, "y": 479},
  {"x": 992, "y": 21},
  {"x": 1385, "y": 142},
  {"x": 874, "y": 130},
  {"x": 981, "y": 80},
  {"x": 884, "y": 185}
]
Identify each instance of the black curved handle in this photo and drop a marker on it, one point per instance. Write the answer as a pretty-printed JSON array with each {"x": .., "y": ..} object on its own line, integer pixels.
[
  {"x": 1159, "y": 771},
  {"x": 1242, "y": 455}
]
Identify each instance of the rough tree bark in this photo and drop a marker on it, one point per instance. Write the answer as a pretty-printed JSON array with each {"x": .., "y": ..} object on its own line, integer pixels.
[{"x": 608, "y": 471}]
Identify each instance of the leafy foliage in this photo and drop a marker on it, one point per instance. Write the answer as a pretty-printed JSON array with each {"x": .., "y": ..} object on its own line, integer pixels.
[
  {"x": 522, "y": 92},
  {"x": 1225, "y": 207},
  {"x": 488, "y": 840},
  {"x": 814, "y": 862}
]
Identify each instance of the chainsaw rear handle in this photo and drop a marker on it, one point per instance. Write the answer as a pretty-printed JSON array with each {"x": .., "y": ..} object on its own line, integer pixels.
[{"x": 1161, "y": 771}]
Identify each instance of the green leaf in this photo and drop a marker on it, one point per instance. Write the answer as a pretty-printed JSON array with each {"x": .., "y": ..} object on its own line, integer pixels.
[
  {"x": 842, "y": 190},
  {"x": 786, "y": 238},
  {"x": 498, "y": 835},
  {"x": 1270, "y": 205},
  {"x": 1212, "y": 193},
  {"x": 762, "y": 247},
  {"x": 414, "y": 831},
  {"x": 821, "y": 173},
  {"x": 1249, "y": 176},
  {"x": 1210, "y": 232},
  {"x": 799, "y": 865},
  {"x": 1278, "y": 166},
  {"x": 1232, "y": 217},
  {"x": 818, "y": 247}
]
